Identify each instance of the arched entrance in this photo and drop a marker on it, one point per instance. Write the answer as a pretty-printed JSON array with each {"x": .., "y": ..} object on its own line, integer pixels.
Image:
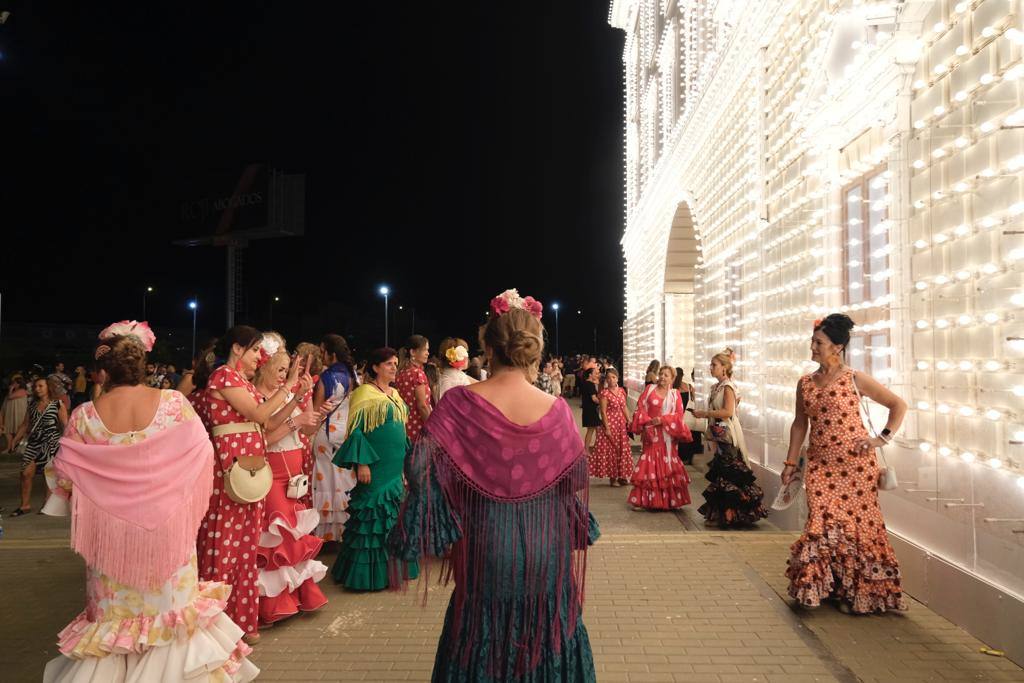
[{"x": 681, "y": 259}]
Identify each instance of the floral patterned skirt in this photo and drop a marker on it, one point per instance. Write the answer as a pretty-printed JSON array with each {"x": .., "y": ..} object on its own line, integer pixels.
[{"x": 732, "y": 497}]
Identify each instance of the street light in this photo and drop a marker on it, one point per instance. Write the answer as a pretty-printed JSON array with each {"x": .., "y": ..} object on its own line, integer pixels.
[
  {"x": 555, "y": 308},
  {"x": 193, "y": 304},
  {"x": 145, "y": 294},
  {"x": 272, "y": 302},
  {"x": 385, "y": 291}
]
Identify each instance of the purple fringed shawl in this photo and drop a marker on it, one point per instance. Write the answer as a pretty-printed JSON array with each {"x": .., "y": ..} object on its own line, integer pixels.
[{"x": 507, "y": 485}]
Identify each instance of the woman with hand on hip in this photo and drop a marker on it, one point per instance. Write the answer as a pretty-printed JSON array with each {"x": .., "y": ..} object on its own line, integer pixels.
[
  {"x": 613, "y": 455},
  {"x": 844, "y": 553},
  {"x": 41, "y": 428},
  {"x": 413, "y": 385}
]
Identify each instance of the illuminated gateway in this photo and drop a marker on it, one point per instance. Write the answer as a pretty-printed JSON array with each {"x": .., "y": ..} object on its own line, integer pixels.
[{"x": 790, "y": 158}]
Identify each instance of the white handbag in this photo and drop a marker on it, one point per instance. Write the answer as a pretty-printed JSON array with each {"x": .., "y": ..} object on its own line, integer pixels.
[
  {"x": 694, "y": 423},
  {"x": 887, "y": 480},
  {"x": 298, "y": 485}
]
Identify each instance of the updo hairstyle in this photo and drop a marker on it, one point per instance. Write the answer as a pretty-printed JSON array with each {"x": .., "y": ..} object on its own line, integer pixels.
[
  {"x": 725, "y": 361},
  {"x": 450, "y": 343},
  {"x": 837, "y": 327},
  {"x": 516, "y": 340},
  {"x": 671, "y": 370},
  {"x": 279, "y": 358},
  {"x": 220, "y": 350},
  {"x": 124, "y": 363}
]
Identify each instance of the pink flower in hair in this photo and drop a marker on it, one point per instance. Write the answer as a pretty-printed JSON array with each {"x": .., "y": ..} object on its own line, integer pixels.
[
  {"x": 535, "y": 307},
  {"x": 140, "y": 331},
  {"x": 500, "y": 305}
]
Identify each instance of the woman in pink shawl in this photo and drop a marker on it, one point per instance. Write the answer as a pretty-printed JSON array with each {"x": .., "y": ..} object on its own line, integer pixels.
[
  {"x": 498, "y": 489},
  {"x": 660, "y": 481},
  {"x": 137, "y": 467}
]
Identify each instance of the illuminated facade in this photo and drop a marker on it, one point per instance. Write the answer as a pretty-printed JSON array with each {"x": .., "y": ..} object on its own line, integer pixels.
[{"x": 790, "y": 158}]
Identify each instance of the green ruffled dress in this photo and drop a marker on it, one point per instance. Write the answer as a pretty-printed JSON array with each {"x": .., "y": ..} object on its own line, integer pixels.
[{"x": 362, "y": 562}]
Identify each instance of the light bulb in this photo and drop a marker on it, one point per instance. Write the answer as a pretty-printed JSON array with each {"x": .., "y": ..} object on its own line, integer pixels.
[
  {"x": 942, "y": 407},
  {"x": 922, "y": 324},
  {"x": 920, "y": 244},
  {"x": 966, "y": 366},
  {"x": 940, "y": 238},
  {"x": 922, "y": 365},
  {"x": 945, "y": 451},
  {"x": 992, "y": 414},
  {"x": 921, "y": 285},
  {"x": 924, "y": 447},
  {"x": 966, "y": 411},
  {"x": 967, "y": 456},
  {"x": 992, "y": 318},
  {"x": 963, "y": 275},
  {"x": 1018, "y": 390},
  {"x": 942, "y": 323},
  {"x": 1017, "y": 299},
  {"x": 994, "y": 463},
  {"x": 923, "y": 405},
  {"x": 1020, "y": 483},
  {"x": 993, "y": 366},
  {"x": 961, "y": 142}
]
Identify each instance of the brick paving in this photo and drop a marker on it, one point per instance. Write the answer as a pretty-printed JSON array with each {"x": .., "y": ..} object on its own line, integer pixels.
[{"x": 667, "y": 600}]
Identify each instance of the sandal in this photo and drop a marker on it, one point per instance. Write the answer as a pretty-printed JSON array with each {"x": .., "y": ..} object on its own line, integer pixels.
[
  {"x": 251, "y": 638},
  {"x": 20, "y": 511}
]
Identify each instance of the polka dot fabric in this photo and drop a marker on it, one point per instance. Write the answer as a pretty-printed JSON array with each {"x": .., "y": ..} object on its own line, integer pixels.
[
  {"x": 228, "y": 536},
  {"x": 844, "y": 553},
  {"x": 612, "y": 456},
  {"x": 406, "y": 383}
]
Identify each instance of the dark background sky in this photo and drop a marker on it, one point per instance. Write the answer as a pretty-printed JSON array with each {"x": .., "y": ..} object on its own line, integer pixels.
[{"x": 451, "y": 150}]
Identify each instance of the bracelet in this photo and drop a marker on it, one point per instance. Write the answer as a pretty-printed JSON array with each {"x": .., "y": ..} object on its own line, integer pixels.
[
  {"x": 291, "y": 423},
  {"x": 790, "y": 463}
]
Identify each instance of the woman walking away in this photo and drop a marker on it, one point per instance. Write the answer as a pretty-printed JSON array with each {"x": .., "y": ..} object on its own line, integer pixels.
[
  {"x": 651, "y": 376},
  {"x": 287, "y": 550},
  {"x": 332, "y": 484},
  {"x": 844, "y": 554},
  {"x": 412, "y": 383},
  {"x": 660, "y": 481},
  {"x": 454, "y": 356},
  {"x": 137, "y": 465},
  {"x": 498, "y": 487},
  {"x": 732, "y": 497},
  {"x": 613, "y": 455},
  {"x": 375, "y": 449},
  {"x": 589, "y": 388},
  {"x": 238, "y": 416},
  {"x": 41, "y": 428}
]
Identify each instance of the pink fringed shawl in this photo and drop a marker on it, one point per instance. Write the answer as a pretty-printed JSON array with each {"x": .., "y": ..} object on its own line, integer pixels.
[
  {"x": 136, "y": 508},
  {"x": 518, "y": 495}
]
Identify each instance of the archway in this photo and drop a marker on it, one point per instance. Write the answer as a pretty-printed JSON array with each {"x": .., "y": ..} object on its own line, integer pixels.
[{"x": 683, "y": 253}]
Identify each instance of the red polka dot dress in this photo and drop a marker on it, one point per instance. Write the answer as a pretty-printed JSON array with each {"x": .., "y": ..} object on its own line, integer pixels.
[
  {"x": 406, "y": 383},
  {"x": 229, "y": 534},
  {"x": 612, "y": 456},
  {"x": 844, "y": 553}
]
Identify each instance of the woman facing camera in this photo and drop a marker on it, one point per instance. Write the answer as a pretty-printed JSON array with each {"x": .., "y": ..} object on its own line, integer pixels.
[
  {"x": 732, "y": 497},
  {"x": 137, "y": 466},
  {"x": 660, "y": 481},
  {"x": 498, "y": 487},
  {"x": 844, "y": 554},
  {"x": 375, "y": 449}
]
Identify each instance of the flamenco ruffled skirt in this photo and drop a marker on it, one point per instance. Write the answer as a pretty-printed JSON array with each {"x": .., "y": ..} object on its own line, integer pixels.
[
  {"x": 732, "y": 497},
  {"x": 362, "y": 562},
  {"x": 660, "y": 481},
  {"x": 286, "y": 555}
]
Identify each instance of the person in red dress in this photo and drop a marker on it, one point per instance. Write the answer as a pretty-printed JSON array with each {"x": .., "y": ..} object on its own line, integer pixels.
[
  {"x": 412, "y": 384},
  {"x": 660, "y": 481},
  {"x": 612, "y": 456},
  {"x": 232, "y": 409}
]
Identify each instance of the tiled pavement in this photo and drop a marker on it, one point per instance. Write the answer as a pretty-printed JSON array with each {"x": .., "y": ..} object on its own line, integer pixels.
[{"x": 667, "y": 600}]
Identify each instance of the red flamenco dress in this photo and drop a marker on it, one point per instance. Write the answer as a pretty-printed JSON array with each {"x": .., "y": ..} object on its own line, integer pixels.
[
  {"x": 660, "y": 481},
  {"x": 286, "y": 555},
  {"x": 613, "y": 455}
]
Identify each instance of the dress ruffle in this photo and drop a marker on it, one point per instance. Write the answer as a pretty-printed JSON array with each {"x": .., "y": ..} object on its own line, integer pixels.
[
  {"x": 853, "y": 570},
  {"x": 732, "y": 497},
  {"x": 362, "y": 563},
  {"x": 175, "y": 645},
  {"x": 660, "y": 481}
]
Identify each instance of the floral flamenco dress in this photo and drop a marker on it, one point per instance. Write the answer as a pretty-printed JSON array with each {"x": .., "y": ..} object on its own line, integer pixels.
[
  {"x": 137, "y": 500},
  {"x": 613, "y": 455},
  {"x": 660, "y": 481},
  {"x": 844, "y": 553},
  {"x": 505, "y": 506},
  {"x": 228, "y": 535},
  {"x": 376, "y": 438},
  {"x": 286, "y": 554}
]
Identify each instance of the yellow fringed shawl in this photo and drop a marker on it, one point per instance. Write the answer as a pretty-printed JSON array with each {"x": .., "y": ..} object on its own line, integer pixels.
[{"x": 369, "y": 407}]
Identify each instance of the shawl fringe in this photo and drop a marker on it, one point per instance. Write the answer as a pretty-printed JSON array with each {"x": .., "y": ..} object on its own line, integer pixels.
[{"x": 369, "y": 408}]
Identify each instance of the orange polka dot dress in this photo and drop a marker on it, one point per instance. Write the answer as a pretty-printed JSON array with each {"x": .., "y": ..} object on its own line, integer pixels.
[
  {"x": 844, "y": 553},
  {"x": 229, "y": 533}
]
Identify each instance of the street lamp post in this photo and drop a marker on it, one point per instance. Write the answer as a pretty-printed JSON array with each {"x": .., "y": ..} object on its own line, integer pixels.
[
  {"x": 193, "y": 305},
  {"x": 272, "y": 302},
  {"x": 145, "y": 295},
  {"x": 385, "y": 291},
  {"x": 555, "y": 308}
]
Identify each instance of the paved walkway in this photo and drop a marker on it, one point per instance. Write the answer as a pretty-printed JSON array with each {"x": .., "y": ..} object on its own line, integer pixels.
[{"x": 667, "y": 600}]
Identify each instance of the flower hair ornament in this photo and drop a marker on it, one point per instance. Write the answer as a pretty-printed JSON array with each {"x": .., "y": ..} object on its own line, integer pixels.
[
  {"x": 269, "y": 345},
  {"x": 509, "y": 299},
  {"x": 127, "y": 328},
  {"x": 817, "y": 323},
  {"x": 458, "y": 357}
]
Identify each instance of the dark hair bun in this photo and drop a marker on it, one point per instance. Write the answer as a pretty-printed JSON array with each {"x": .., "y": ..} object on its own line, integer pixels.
[
  {"x": 125, "y": 362},
  {"x": 837, "y": 327}
]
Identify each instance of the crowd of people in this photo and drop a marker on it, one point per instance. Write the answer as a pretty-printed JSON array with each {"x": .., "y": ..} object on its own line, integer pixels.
[{"x": 202, "y": 501}]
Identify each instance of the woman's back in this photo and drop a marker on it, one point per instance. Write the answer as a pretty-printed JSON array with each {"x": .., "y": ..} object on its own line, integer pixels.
[{"x": 518, "y": 402}]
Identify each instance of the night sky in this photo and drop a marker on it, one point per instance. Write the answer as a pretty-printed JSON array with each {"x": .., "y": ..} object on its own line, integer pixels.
[{"x": 451, "y": 150}]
